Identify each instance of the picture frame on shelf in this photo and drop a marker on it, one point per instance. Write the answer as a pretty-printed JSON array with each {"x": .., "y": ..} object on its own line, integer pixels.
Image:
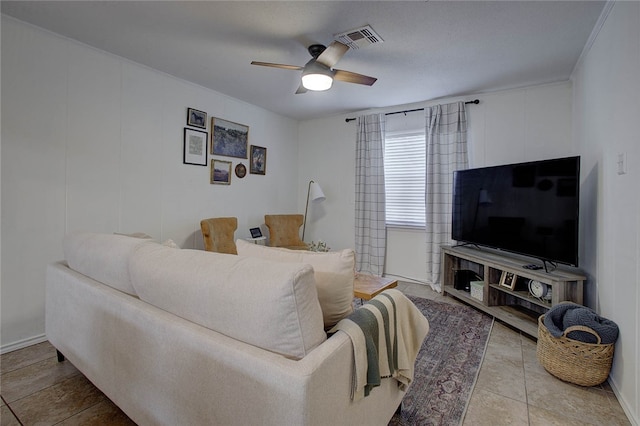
[
  {"x": 258, "y": 160},
  {"x": 220, "y": 172},
  {"x": 255, "y": 232},
  {"x": 196, "y": 118},
  {"x": 229, "y": 139},
  {"x": 195, "y": 147},
  {"x": 508, "y": 280}
]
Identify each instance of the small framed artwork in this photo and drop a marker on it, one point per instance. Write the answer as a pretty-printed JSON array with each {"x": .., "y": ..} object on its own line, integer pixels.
[
  {"x": 221, "y": 172},
  {"x": 228, "y": 138},
  {"x": 255, "y": 232},
  {"x": 241, "y": 170},
  {"x": 195, "y": 147},
  {"x": 508, "y": 280},
  {"x": 258, "y": 160},
  {"x": 196, "y": 118}
]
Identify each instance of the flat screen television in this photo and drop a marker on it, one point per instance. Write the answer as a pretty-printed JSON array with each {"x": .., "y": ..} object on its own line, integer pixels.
[{"x": 527, "y": 208}]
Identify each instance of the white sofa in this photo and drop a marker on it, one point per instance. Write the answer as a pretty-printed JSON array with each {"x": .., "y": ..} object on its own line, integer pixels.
[{"x": 188, "y": 337}]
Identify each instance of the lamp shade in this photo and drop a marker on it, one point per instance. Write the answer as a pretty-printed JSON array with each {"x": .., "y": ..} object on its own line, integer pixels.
[{"x": 315, "y": 192}]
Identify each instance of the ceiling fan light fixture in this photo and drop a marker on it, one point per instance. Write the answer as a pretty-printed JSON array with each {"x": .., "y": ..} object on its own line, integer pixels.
[
  {"x": 317, "y": 82},
  {"x": 317, "y": 77}
]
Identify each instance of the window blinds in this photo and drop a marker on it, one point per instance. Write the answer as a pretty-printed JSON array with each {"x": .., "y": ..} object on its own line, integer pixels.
[{"x": 404, "y": 171}]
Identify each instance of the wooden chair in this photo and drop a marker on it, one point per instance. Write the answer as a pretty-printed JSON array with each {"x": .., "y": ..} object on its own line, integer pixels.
[
  {"x": 218, "y": 234},
  {"x": 284, "y": 230}
]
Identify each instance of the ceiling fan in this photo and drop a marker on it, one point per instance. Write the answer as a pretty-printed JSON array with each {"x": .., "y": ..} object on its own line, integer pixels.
[{"x": 318, "y": 74}]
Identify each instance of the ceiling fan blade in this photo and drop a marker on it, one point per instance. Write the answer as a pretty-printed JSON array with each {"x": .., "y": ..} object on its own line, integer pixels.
[
  {"x": 283, "y": 66},
  {"x": 352, "y": 77},
  {"x": 332, "y": 54},
  {"x": 301, "y": 90}
]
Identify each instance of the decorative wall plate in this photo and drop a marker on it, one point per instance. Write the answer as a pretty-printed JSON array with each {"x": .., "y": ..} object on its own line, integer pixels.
[{"x": 241, "y": 170}]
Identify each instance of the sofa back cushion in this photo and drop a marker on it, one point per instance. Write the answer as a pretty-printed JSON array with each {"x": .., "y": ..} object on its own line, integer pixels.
[
  {"x": 266, "y": 304},
  {"x": 103, "y": 257},
  {"x": 334, "y": 275}
]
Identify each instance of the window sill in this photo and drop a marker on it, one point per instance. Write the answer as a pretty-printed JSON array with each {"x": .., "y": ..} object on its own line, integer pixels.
[{"x": 407, "y": 228}]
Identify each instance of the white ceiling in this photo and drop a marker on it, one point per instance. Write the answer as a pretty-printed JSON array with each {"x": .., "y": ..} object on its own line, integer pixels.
[{"x": 431, "y": 49}]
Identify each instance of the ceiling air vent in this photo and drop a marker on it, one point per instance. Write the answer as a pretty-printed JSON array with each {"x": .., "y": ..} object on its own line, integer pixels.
[{"x": 360, "y": 37}]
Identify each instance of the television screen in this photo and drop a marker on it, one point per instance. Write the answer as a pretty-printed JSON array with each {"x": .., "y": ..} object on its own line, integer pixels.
[{"x": 526, "y": 208}]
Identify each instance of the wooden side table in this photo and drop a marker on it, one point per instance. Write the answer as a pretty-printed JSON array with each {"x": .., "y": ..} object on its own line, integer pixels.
[{"x": 367, "y": 286}]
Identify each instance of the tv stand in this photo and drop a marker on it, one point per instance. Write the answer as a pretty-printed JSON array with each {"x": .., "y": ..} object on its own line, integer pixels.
[{"x": 514, "y": 306}]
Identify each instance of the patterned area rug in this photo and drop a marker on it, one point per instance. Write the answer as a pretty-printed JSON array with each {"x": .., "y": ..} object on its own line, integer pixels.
[{"x": 447, "y": 365}]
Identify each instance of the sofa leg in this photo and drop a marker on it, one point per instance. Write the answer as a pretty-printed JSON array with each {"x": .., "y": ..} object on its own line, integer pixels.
[
  {"x": 399, "y": 409},
  {"x": 60, "y": 356}
]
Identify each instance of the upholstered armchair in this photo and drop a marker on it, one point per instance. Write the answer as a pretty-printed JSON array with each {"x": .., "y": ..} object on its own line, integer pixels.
[
  {"x": 218, "y": 234},
  {"x": 284, "y": 230}
]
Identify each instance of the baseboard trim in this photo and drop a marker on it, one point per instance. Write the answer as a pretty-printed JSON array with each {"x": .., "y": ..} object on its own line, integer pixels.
[
  {"x": 10, "y": 347},
  {"x": 626, "y": 407}
]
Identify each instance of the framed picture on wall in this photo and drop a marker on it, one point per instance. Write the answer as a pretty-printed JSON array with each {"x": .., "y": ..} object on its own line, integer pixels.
[
  {"x": 195, "y": 147},
  {"x": 258, "y": 160},
  {"x": 241, "y": 170},
  {"x": 196, "y": 118},
  {"x": 221, "y": 172},
  {"x": 228, "y": 138}
]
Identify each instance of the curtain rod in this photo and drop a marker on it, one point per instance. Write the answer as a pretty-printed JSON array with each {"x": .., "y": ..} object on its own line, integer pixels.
[{"x": 475, "y": 101}]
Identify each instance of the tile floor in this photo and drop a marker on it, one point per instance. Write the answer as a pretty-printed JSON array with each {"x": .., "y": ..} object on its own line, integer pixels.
[{"x": 512, "y": 388}]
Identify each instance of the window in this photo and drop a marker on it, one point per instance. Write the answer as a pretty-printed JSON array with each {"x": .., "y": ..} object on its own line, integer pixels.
[{"x": 404, "y": 177}]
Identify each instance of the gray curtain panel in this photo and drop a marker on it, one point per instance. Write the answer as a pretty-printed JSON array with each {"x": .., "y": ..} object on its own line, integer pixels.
[
  {"x": 370, "y": 238},
  {"x": 446, "y": 131}
]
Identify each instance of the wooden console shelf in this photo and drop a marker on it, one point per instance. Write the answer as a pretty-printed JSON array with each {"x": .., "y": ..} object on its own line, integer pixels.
[{"x": 516, "y": 307}]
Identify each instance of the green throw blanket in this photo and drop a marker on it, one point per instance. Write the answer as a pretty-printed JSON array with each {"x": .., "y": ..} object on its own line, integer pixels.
[{"x": 386, "y": 334}]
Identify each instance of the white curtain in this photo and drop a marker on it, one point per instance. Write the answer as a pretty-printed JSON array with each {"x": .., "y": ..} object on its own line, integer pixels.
[
  {"x": 370, "y": 238},
  {"x": 446, "y": 135}
]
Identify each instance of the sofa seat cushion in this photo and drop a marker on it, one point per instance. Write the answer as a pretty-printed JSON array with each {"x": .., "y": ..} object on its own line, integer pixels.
[
  {"x": 334, "y": 275},
  {"x": 262, "y": 303},
  {"x": 103, "y": 257}
]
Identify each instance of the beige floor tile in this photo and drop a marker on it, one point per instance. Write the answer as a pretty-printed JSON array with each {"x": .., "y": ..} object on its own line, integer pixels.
[
  {"x": 58, "y": 402},
  {"x": 19, "y": 383},
  {"x": 504, "y": 346},
  {"x": 103, "y": 413},
  {"x": 7, "y": 418},
  {"x": 619, "y": 417},
  {"x": 501, "y": 335},
  {"x": 417, "y": 290},
  {"x": 507, "y": 354},
  {"x": 576, "y": 402},
  {"x": 503, "y": 374},
  {"x": 542, "y": 417},
  {"x": 488, "y": 408},
  {"x": 531, "y": 364},
  {"x": 528, "y": 345},
  {"x": 26, "y": 356}
]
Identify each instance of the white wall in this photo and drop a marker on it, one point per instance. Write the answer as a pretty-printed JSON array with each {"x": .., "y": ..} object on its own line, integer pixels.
[
  {"x": 91, "y": 141},
  {"x": 505, "y": 127},
  {"x": 606, "y": 115}
]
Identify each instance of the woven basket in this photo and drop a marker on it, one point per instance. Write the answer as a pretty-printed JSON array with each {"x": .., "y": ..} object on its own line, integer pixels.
[{"x": 585, "y": 364}]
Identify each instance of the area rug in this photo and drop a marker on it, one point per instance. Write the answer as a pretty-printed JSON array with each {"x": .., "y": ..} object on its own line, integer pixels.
[{"x": 447, "y": 365}]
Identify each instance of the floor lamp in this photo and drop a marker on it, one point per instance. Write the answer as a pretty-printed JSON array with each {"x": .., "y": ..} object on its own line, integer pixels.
[{"x": 314, "y": 193}]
